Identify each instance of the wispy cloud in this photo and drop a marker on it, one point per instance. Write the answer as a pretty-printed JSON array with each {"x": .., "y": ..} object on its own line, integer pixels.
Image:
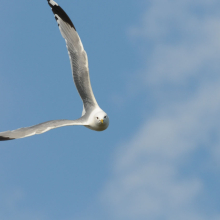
[
  {"x": 183, "y": 38},
  {"x": 160, "y": 173}
]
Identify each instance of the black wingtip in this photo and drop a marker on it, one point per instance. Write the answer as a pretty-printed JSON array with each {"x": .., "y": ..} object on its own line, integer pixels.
[
  {"x": 2, "y": 138},
  {"x": 57, "y": 10}
]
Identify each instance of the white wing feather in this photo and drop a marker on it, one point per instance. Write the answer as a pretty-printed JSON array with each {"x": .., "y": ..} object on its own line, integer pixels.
[
  {"x": 78, "y": 56},
  {"x": 38, "y": 129}
]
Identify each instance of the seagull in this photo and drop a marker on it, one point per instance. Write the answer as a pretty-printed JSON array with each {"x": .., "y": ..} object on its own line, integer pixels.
[{"x": 93, "y": 117}]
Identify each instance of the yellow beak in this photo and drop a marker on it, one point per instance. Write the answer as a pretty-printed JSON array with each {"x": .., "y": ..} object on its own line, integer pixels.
[{"x": 101, "y": 121}]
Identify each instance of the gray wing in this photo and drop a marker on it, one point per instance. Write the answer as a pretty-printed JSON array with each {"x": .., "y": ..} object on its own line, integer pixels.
[
  {"x": 39, "y": 129},
  {"x": 77, "y": 54}
]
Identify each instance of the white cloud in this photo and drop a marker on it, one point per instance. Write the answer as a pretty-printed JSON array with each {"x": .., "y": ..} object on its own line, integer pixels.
[
  {"x": 148, "y": 178},
  {"x": 153, "y": 176},
  {"x": 183, "y": 42}
]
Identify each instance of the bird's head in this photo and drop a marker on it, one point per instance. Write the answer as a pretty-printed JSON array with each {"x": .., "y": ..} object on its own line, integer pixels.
[{"x": 101, "y": 120}]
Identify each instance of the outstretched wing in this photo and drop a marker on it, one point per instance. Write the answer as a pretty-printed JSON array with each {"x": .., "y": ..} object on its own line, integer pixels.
[
  {"x": 38, "y": 129},
  {"x": 77, "y": 54}
]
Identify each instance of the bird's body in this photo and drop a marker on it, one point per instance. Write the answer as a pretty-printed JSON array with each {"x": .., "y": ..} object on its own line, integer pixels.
[{"x": 93, "y": 117}]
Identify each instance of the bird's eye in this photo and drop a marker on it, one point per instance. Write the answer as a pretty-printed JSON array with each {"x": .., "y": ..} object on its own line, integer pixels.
[
  {"x": 105, "y": 117},
  {"x": 97, "y": 117}
]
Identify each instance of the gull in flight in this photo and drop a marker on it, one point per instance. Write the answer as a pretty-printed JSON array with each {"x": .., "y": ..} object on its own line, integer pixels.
[{"x": 93, "y": 117}]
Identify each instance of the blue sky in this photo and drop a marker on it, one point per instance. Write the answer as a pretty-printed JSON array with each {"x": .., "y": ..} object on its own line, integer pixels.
[{"x": 154, "y": 68}]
